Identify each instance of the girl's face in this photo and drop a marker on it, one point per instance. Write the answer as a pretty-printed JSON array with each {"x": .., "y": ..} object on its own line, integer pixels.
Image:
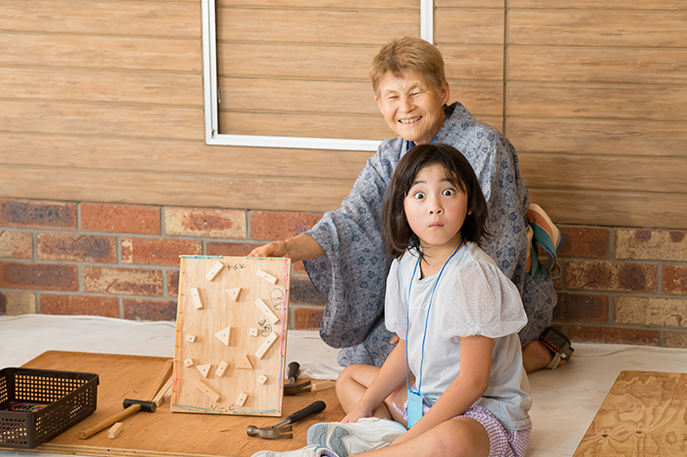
[{"x": 436, "y": 208}]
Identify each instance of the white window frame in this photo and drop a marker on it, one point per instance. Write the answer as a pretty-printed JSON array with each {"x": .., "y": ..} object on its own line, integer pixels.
[{"x": 211, "y": 94}]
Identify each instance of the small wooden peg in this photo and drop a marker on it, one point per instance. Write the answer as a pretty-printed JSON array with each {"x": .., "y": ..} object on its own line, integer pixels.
[
  {"x": 188, "y": 362},
  {"x": 244, "y": 363},
  {"x": 234, "y": 293},
  {"x": 323, "y": 385},
  {"x": 266, "y": 345},
  {"x": 204, "y": 369},
  {"x": 214, "y": 396},
  {"x": 266, "y": 276},
  {"x": 115, "y": 430},
  {"x": 212, "y": 274},
  {"x": 266, "y": 311},
  {"x": 221, "y": 369},
  {"x": 242, "y": 399},
  {"x": 253, "y": 332},
  {"x": 191, "y": 338},
  {"x": 196, "y": 298},
  {"x": 223, "y": 335},
  {"x": 262, "y": 379}
]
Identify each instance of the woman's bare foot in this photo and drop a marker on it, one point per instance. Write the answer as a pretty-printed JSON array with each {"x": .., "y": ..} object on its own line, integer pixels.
[{"x": 536, "y": 356}]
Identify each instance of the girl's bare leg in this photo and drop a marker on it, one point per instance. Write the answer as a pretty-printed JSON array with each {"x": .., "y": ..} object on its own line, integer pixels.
[
  {"x": 457, "y": 437},
  {"x": 354, "y": 381}
]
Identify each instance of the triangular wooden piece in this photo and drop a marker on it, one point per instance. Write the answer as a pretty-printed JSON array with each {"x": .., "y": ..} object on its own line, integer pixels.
[
  {"x": 204, "y": 369},
  {"x": 234, "y": 293},
  {"x": 223, "y": 335},
  {"x": 244, "y": 364}
]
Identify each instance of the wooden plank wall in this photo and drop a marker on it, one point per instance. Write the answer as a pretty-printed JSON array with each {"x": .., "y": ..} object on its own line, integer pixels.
[
  {"x": 101, "y": 100},
  {"x": 596, "y": 101}
]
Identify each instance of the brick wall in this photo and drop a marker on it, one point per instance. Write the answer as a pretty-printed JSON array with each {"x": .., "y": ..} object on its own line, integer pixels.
[
  {"x": 622, "y": 285},
  {"x": 123, "y": 260},
  {"x": 618, "y": 285}
]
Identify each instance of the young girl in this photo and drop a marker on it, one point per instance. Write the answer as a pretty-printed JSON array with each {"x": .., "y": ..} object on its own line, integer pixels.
[{"x": 456, "y": 377}]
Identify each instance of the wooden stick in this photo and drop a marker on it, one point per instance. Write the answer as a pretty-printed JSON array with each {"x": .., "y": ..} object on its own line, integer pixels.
[
  {"x": 115, "y": 430},
  {"x": 160, "y": 397},
  {"x": 160, "y": 381}
]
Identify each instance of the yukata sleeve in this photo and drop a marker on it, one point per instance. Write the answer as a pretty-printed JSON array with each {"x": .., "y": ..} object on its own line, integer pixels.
[
  {"x": 353, "y": 272},
  {"x": 497, "y": 169},
  {"x": 480, "y": 301}
]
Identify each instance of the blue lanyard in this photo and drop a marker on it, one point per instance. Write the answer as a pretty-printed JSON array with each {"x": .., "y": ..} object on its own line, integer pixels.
[{"x": 424, "y": 335}]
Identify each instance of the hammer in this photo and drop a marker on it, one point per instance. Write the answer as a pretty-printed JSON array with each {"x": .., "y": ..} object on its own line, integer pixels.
[
  {"x": 292, "y": 388},
  {"x": 131, "y": 406},
  {"x": 282, "y": 429}
]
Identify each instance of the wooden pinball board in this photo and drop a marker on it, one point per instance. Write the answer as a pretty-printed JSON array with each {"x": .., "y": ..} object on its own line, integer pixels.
[{"x": 231, "y": 335}]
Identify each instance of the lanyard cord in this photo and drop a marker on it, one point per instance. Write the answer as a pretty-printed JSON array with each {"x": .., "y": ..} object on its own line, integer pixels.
[{"x": 424, "y": 335}]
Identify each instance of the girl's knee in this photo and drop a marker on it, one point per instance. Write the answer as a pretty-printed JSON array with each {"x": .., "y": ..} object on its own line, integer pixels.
[{"x": 462, "y": 437}]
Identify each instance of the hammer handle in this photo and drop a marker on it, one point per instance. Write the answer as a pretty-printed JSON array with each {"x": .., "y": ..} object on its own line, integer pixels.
[
  {"x": 103, "y": 424},
  {"x": 294, "y": 368}
]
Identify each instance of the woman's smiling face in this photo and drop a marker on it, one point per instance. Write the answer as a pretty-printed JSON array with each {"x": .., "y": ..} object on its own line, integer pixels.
[{"x": 412, "y": 106}]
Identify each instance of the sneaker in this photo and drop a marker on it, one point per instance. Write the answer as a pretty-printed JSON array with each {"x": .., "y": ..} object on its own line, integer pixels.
[
  {"x": 307, "y": 451},
  {"x": 348, "y": 439}
]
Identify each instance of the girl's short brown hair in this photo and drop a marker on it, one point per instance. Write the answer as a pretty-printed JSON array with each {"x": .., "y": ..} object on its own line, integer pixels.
[
  {"x": 408, "y": 53},
  {"x": 458, "y": 170}
]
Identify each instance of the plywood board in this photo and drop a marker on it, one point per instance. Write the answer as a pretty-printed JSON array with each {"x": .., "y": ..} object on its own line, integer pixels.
[
  {"x": 164, "y": 433},
  {"x": 643, "y": 415},
  {"x": 222, "y": 327}
]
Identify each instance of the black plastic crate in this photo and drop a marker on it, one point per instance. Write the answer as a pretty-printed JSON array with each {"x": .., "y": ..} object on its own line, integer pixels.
[{"x": 61, "y": 399}]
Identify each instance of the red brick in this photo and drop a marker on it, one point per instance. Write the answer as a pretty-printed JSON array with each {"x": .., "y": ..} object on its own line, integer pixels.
[
  {"x": 76, "y": 247},
  {"x": 16, "y": 245},
  {"x": 298, "y": 267},
  {"x": 214, "y": 223},
  {"x": 13, "y": 303},
  {"x": 581, "y": 308},
  {"x": 604, "y": 275},
  {"x": 674, "y": 279},
  {"x": 38, "y": 276},
  {"x": 136, "y": 219},
  {"x": 303, "y": 292},
  {"x": 173, "y": 283},
  {"x": 158, "y": 251},
  {"x": 307, "y": 319},
  {"x": 122, "y": 281},
  {"x": 229, "y": 249},
  {"x": 613, "y": 335},
  {"x": 89, "y": 305},
  {"x": 38, "y": 214},
  {"x": 584, "y": 242},
  {"x": 149, "y": 310},
  {"x": 268, "y": 225},
  {"x": 651, "y": 244}
]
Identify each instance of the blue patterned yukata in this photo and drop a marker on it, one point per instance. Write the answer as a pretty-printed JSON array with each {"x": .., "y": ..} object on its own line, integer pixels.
[{"x": 354, "y": 271}]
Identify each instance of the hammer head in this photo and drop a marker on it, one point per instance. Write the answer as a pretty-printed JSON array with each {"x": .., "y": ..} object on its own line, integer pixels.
[
  {"x": 146, "y": 406},
  {"x": 270, "y": 433}
]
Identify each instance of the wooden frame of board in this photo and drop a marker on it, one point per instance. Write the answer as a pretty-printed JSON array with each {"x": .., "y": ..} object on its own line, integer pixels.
[{"x": 231, "y": 335}]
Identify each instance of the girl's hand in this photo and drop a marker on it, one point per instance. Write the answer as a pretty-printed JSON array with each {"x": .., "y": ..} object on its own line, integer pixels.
[
  {"x": 274, "y": 249},
  {"x": 358, "y": 412}
]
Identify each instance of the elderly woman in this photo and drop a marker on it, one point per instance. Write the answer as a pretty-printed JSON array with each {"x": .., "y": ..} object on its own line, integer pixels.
[{"x": 344, "y": 253}]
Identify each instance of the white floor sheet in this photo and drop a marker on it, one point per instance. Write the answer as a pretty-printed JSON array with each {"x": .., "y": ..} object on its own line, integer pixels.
[{"x": 564, "y": 400}]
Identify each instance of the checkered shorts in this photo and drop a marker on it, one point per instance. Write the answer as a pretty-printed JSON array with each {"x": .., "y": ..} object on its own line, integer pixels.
[{"x": 502, "y": 442}]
